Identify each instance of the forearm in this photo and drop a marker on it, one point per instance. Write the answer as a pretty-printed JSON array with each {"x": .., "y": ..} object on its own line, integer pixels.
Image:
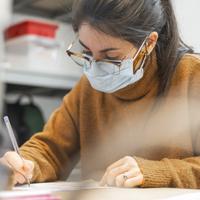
[{"x": 53, "y": 149}]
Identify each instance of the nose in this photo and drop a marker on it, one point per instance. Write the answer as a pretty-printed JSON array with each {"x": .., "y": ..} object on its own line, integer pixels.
[{"x": 96, "y": 56}]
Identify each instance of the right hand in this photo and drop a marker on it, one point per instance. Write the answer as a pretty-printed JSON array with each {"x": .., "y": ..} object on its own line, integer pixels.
[{"x": 22, "y": 168}]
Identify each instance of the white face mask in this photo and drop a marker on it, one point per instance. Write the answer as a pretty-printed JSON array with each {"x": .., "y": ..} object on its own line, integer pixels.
[{"x": 107, "y": 83}]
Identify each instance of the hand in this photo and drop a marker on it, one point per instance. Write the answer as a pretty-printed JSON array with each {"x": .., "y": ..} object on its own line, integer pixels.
[
  {"x": 22, "y": 168},
  {"x": 125, "y": 166}
]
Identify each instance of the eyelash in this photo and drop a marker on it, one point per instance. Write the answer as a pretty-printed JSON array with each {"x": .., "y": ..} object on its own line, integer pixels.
[
  {"x": 106, "y": 57},
  {"x": 112, "y": 58},
  {"x": 87, "y": 53}
]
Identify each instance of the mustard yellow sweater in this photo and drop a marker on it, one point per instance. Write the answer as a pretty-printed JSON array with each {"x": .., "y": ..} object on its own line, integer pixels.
[{"x": 102, "y": 128}]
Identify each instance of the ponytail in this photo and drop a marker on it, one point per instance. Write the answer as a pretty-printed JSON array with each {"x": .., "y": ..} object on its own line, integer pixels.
[{"x": 169, "y": 49}]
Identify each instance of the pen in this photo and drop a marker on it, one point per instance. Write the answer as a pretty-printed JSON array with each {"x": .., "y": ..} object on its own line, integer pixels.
[{"x": 12, "y": 137}]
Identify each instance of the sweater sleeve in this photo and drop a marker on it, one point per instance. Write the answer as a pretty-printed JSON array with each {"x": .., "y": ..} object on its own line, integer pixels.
[
  {"x": 55, "y": 151},
  {"x": 171, "y": 172}
]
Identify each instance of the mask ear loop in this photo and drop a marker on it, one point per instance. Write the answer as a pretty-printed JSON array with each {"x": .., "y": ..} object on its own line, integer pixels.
[
  {"x": 138, "y": 58},
  {"x": 144, "y": 53}
]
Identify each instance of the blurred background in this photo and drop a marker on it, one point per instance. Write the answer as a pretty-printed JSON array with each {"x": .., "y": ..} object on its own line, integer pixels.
[{"x": 35, "y": 70}]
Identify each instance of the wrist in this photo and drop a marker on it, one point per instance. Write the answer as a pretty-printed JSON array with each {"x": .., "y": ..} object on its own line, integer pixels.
[{"x": 156, "y": 173}]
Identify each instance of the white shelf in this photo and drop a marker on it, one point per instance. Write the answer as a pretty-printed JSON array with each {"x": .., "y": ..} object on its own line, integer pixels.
[{"x": 39, "y": 79}]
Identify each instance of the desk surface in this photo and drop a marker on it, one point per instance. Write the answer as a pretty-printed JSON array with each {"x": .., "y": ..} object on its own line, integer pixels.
[{"x": 124, "y": 194}]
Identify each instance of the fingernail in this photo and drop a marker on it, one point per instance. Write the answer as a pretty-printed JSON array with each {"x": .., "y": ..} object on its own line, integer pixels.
[{"x": 28, "y": 166}]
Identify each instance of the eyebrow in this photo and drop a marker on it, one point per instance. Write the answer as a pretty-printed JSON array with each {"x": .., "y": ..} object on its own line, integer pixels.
[{"x": 102, "y": 51}]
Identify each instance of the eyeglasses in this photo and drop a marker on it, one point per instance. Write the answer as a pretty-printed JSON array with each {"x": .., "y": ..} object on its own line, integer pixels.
[{"x": 108, "y": 66}]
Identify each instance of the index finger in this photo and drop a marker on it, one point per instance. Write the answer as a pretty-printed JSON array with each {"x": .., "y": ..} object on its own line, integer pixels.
[
  {"x": 103, "y": 180},
  {"x": 15, "y": 161},
  {"x": 115, "y": 165}
]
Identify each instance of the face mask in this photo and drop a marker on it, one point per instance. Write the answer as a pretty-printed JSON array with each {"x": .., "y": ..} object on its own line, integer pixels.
[{"x": 107, "y": 83}]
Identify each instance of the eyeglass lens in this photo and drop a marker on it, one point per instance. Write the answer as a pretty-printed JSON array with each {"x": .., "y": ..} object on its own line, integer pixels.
[{"x": 109, "y": 68}]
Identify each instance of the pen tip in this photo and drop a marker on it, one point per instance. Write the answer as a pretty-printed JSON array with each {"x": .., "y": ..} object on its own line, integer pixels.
[{"x": 29, "y": 184}]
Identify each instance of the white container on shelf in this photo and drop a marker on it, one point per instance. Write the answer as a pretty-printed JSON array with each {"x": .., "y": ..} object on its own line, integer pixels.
[
  {"x": 5, "y": 20},
  {"x": 32, "y": 52}
]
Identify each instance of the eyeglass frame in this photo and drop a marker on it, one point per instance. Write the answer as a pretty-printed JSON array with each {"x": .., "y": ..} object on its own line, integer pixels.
[{"x": 69, "y": 53}]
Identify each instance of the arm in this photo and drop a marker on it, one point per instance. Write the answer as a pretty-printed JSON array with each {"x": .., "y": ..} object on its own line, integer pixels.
[{"x": 55, "y": 150}]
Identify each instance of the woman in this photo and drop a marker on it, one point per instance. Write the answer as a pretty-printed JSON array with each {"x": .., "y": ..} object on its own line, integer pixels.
[{"x": 133, "y": 118}]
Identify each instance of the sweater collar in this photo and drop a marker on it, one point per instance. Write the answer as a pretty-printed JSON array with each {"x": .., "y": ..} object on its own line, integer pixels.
[{"x": 140, "y": 88}]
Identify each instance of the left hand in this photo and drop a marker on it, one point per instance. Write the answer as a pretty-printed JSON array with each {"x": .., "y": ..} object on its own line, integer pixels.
[{"x": 127, "y": 166}]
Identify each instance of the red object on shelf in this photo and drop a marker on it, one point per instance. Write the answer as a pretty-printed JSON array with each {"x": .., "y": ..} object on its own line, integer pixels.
[{"x": 31, "y": 28}]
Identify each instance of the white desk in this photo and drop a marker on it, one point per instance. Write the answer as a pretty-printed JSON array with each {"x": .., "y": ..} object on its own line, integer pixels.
[
  {"x": 90, "y": 190},
  {"x": 125, "y": 194}
]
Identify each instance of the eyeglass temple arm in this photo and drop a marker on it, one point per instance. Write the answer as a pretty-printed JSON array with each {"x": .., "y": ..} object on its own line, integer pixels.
[
  {"x": 72, "y": 43},
  {"x": 137, "y": 51}
]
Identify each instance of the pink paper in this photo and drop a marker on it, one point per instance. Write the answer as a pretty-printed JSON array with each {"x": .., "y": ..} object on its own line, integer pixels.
[{"x": 36, "y": 197}]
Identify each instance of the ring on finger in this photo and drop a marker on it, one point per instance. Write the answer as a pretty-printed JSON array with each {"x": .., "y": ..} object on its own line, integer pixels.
[{"x": 125, "y": 176}]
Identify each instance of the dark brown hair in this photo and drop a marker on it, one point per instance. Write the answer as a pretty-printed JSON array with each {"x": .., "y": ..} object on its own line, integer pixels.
[{"x": 133, "y": 21}]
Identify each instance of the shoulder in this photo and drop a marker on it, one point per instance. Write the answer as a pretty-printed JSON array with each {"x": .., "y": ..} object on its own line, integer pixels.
[
  {"x": 191, "y": 57},
  {"x": 190, "y": 63},
  {"x": 188, "y": 67},
  {"x": 188, "y": 73}
]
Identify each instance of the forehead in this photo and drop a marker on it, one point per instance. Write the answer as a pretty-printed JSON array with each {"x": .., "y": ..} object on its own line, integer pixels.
[{"x": 94, "y": 39}]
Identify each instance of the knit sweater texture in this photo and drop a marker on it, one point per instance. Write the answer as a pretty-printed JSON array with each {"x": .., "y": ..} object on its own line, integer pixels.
[{"x": 101, "y": 128}]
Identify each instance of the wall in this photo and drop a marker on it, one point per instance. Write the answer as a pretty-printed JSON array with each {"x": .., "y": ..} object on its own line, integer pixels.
[{"x": 188, "y": 17}]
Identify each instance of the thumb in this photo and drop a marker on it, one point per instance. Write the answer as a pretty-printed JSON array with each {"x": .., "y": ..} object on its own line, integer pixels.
[{"x": 28, "y": 166}]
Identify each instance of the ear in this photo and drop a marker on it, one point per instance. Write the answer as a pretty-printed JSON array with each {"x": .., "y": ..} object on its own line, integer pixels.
[{"x": 151, "y": 42}]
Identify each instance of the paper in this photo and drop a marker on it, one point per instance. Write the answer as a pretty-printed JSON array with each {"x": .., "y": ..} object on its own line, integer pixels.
[
  {"x": 61, "y": 186},
  {"x": 24, "y": 193},
  {"x": 28, "y": 195}
]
